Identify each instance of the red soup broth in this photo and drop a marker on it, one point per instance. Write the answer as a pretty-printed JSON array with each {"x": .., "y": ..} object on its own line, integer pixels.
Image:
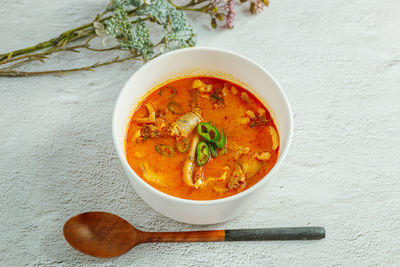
[{"x": 159, "y": 157}]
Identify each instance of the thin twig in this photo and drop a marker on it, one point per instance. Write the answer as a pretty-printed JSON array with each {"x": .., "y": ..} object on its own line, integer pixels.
[
  {"x": 51, "y": 50},
  {"x": 23, "y": 62},
  {"x": 193, "y": 3},
  {"x": 60, "y": 44},
  {"x": 39, "y": 55},
  {"x": 103, "y": 49},
  {"x": 190, "y": 6},
  {"x": 15, "y": 73},
  {"x": 68, "y": 35}
]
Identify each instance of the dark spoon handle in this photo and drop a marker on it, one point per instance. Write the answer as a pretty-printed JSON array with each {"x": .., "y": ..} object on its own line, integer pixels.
[{"x": 287, "y": 233}]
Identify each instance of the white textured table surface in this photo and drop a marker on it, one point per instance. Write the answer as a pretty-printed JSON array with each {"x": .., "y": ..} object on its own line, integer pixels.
[{"x": 339, "y": 63}]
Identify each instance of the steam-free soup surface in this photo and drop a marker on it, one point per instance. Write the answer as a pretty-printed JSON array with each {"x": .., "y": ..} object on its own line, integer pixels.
[{"x": 170, "y": 130}]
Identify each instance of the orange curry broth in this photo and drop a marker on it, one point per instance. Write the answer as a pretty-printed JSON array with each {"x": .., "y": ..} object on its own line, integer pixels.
[{"x": 169, "y": 169}]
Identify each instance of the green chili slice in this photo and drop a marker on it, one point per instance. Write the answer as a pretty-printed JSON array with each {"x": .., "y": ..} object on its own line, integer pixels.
[
  {"x": 223, "y": 151},
  {"x": 165, "y": 150},
  {"x": 213, "y": 150},
  {"x": 202, "y": 153},
  {"x": 222, "y": 140},
  {"x": 208, "y": 132},
  {"x": 173, "y": 91},
  {"x": 182, "y": 145},
  {"x": 218, "y": 98},
  {"x": 175, "y": 107}
]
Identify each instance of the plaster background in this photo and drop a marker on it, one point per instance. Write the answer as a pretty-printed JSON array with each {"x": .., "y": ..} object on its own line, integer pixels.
[{"x": 338, "y": 62}]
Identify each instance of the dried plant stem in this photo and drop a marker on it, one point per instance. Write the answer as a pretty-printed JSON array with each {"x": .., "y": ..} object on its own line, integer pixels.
[
  {"x": 191, "y": 6},
  {"x": 43, "y": 55},
  {"x": 9, "y": 72},
  {"x": 66, "y": 36},
  {"x": 60, "y": 47},
  {"x": 73, "y": 34},
  {"x": 15, "y": 73},
  {"x": 11, "y": 61}
]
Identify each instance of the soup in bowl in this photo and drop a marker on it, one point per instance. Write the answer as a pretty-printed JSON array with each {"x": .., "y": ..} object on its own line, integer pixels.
[{"x": 200, "y": 131}]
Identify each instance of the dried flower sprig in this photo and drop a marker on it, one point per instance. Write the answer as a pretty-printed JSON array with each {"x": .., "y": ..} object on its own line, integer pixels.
[{"x": 127, "y": 24}]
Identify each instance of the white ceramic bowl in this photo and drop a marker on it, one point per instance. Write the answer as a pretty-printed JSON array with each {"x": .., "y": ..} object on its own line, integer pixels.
[{"x": 207, "y": 62}]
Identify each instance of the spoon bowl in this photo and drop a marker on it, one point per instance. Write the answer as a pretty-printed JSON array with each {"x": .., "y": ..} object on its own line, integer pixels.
[{"x": 100, "y": 234}]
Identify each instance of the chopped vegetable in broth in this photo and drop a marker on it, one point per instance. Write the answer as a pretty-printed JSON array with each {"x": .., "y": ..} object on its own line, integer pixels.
[{"x": 201, "y": 138}]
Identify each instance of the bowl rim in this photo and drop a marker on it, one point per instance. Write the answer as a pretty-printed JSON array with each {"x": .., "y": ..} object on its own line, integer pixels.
[{"x": 239, "y": 195}]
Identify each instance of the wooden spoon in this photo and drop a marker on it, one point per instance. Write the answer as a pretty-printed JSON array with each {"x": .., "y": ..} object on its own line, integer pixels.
[{"x": 106, "y": 235}]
